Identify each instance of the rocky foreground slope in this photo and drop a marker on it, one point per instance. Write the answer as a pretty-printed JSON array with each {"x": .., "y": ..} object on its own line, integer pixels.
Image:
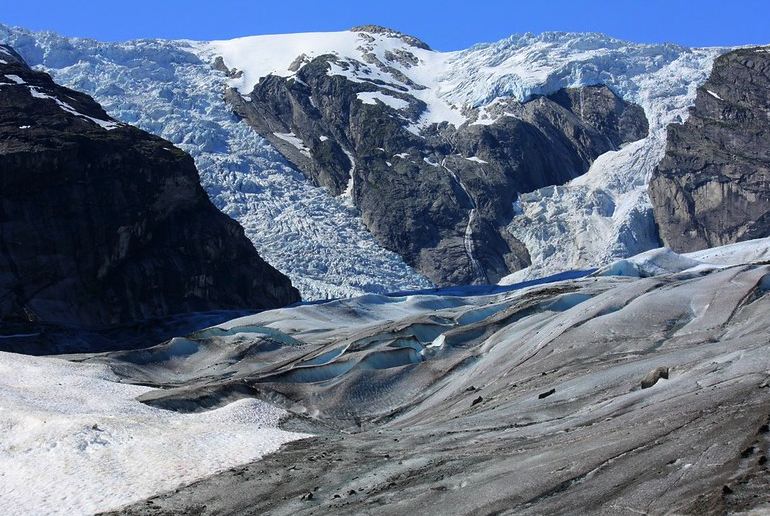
[
  {"x": 102, "y": 224},
  {"x": 713, "y": 185},
  {"x": 643, "y": 388}
]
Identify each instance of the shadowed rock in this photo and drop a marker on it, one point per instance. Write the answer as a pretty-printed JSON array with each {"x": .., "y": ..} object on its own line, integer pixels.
[
  {"x": 103, "y": 225},
  {"x": 442, "y": 198},
  {"x": 653, "y": 377}
]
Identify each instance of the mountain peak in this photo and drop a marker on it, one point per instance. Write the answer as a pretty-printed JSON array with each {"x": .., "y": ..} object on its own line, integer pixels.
[{"x": 378, "y": 29}]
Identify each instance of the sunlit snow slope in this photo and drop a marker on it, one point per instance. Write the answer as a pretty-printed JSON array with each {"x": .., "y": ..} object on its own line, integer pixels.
[
  {"x": 170, "y": 88},
  {"x": 75, "y": 441}
]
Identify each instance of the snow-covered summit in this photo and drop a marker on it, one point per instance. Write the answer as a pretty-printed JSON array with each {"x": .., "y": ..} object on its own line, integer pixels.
[
  {"x": 449, "y": 83},
  {"x": 384, "y": 58}
]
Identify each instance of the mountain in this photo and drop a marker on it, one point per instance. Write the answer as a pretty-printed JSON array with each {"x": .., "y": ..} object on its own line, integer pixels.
[
  {"x": 165, "y": 88},
  {"x": 177, "y": 89},
  {"x": 713, "y": 185},
  {"x": 364, "y": 161},
  {"x": 384, "y": 83},
  {"x": 441, "y": 196},
  {"x": 102, "y": 224}
]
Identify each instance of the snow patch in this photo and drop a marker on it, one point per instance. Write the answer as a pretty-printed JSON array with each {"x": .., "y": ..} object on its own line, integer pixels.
[
  {"x": 371, "y": 97},
  {"x": 16, "y": 79},
  {"x": 348, "y": 193},
  {"x": 714, "y": 95},
  {"x": 104, "y": 124},
  {"x": 101, "y": 449},
  {"x": 294, "y": 141}
]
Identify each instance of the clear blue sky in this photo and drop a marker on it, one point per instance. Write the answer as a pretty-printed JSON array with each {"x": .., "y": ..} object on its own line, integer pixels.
[{"x": 447, "y": 25}]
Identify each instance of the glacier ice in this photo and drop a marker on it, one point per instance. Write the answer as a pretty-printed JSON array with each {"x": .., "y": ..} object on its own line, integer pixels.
[{"x": 100, "y": 448}]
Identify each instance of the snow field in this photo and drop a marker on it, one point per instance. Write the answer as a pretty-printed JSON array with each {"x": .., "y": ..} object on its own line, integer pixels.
[{"x": 76, "y": 442}]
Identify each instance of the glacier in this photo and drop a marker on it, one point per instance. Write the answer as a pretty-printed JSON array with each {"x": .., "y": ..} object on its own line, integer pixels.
[
  {"x": 534, "y": 399},
  {"x": 165, "y": 89},
  {"x": 170, "y": 88}
]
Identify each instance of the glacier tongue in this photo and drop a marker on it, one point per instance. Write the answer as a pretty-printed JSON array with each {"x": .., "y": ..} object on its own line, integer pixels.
[{"x": 164, "y": 88}]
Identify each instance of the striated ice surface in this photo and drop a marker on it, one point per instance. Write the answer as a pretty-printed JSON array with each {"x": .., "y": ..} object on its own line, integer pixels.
[{"x": 603, "y": 395}]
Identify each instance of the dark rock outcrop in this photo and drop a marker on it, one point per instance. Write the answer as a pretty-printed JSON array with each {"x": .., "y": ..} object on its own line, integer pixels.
[
  {"x": 597, "y": 106},
  {"x": 102, "y": 224},
  {"x": 378, "y": 29},
  {"x": 713, "y": 185},
  {"x": 442, "y": 198}
]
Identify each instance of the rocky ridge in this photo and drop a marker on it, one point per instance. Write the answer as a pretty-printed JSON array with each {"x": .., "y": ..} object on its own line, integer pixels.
[
  {"x": 102, "y": 224},
  {"x": 713, "y": 185},
  {"x": 440, "y": 196}
]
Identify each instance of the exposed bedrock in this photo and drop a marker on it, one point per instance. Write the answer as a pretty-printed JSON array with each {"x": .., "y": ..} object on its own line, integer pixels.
[
  {"x": 442, "y": 196},
  {"x": 713, "y": 185},
  {"x": 102, "y": 224}
]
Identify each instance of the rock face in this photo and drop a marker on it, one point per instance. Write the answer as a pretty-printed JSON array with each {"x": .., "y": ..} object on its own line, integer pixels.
[
  {"x": 713, "y": 185},
  {"x": 102, "y": 224},
  {"x": 440, "y": 197}
]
